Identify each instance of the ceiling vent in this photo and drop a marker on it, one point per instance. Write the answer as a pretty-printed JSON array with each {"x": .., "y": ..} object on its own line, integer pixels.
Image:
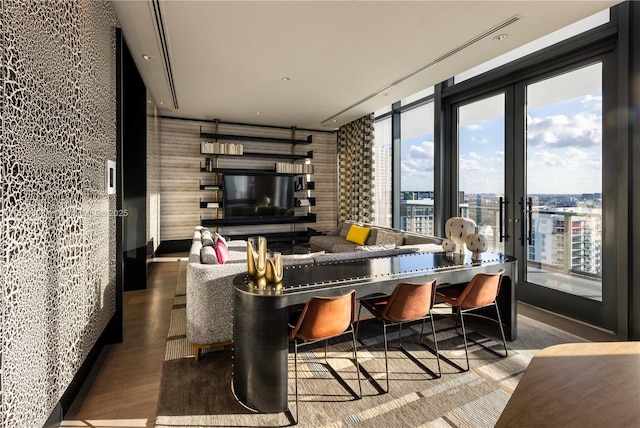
[
  {"x": 162, "y": 37},
  {"x": 446, "y": 55}
]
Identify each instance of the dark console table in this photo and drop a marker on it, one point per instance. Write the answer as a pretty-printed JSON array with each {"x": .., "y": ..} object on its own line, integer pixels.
[{"x": 260, "y": 329}]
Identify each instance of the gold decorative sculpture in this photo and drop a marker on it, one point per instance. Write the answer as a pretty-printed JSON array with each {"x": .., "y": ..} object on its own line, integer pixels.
[
  {"x": 256, "y": 256},
  {"x": 274, "y": 270}
]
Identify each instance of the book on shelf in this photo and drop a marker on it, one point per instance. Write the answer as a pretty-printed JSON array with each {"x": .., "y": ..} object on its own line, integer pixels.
[
  {"x": 217, "y": 148},
  {"x": 211, "y": 187},
  {"x": 304, "y": 203},
  {"x": 294, "y": 168},
  {"x": 213, "y": 204}
]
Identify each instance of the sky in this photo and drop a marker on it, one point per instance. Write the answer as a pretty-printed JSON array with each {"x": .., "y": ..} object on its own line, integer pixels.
[{"x": 564, "y": 140}]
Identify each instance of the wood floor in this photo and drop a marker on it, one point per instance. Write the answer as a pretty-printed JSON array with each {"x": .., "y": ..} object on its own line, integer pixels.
[
  {"x": 123, "y": 387},
  {"x": 122, "y": 390}
]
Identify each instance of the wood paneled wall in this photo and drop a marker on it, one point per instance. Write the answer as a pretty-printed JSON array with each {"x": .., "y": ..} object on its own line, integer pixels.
[{"x": 180, "y": 163}]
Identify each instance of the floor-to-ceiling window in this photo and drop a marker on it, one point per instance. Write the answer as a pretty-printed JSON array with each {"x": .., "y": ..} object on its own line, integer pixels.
[
  {"x": 481, "y": 171},
  {"x": 417, "y": 169},
  {"x": 564, "y": 182},
  {"x": 383, "y": 173}
]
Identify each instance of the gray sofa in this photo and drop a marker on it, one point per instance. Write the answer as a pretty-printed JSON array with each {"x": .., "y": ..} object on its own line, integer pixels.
[
  {"x": 209, "y": 308},
  {"x": 382, "y": 241}
]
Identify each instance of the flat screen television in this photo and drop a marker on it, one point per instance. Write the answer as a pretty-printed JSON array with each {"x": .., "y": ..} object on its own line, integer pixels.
[{"x": 258, "y": 196}]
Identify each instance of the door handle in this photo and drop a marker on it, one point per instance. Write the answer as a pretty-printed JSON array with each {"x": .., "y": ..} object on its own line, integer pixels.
[
  {"x": 503, "y": 203},
  {"x": 522, "y": 226},
  {"x": 530, "y": 221}
]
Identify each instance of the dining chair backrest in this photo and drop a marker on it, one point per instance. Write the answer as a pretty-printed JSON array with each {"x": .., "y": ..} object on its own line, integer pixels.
[
  {"x": 325, "y": 317},
  {"x": 482, "y": 290},
  {"x": 410, "y": 301}
]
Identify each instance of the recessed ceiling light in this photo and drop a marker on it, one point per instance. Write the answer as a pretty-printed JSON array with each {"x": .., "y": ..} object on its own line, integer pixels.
[
  {"x": 500, "y": 37},
  {"x": 147, "y": 57},
  {"x": 334, "y": 120},
  {"x": 286, "y": 79},
  {"x": 258, "y": 112},
  {"x": 162, "y": 103}
]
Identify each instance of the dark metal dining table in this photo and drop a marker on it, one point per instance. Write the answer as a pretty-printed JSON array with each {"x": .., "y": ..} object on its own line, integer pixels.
[{"x": 261, "y": 311}]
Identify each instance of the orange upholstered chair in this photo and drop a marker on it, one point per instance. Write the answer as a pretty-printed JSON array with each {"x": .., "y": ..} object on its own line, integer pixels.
[
  {"x": 408, "y": 302},
  {"x": 481, "y": 291},
  {"x": 321, "y": 319}
]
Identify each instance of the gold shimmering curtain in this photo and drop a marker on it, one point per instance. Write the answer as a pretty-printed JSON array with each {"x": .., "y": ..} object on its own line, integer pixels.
[{"x": 356, "y": 161}]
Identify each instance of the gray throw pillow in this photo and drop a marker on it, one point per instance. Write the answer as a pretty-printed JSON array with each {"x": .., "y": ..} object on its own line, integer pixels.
[
  {"x": 208, "y": 256},
  {"x": 345, "y": 229},
  {"x": 385, "y": 238},
  {"x": 207, "y": 239},
  {"x": 373, "y": 236}
]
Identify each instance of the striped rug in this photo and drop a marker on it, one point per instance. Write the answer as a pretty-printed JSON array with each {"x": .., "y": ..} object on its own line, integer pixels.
[{"x": 199, "y": 394}]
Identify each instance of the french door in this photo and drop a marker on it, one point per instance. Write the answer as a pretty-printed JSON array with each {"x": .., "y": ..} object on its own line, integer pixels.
[{"x": 528, "y": 170}]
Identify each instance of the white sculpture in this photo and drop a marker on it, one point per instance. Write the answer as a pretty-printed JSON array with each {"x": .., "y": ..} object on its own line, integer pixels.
[
  {"x": 449, "y": 246},
  {"x": 457, "y": 229},
  {"x": 477, "y": 244}
]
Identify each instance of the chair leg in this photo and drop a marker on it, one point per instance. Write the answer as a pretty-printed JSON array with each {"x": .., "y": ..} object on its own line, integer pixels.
[
  {"x": 358, "y": 320},
  {"x": 504, "y": 341},
  {"x": 386, "y": 358},
  {"x": 196, "y": 352},
  {"x": 435, "y": 342},
  {"x": 464, "y": 335},
  {"x": 295, "y": 365},
  {"x": 400, "y": 335},
  {"x": 355, "y": 359}
]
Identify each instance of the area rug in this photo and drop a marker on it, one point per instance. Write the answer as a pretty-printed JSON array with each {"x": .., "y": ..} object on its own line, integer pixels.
[{"x": 200, "y": 394}]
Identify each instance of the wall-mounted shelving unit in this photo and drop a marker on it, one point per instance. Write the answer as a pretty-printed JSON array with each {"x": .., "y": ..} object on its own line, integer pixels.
[{"x": 303, "y": 200}]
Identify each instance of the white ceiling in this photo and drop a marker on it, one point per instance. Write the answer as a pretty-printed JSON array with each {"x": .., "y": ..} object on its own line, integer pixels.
[{"x": 345, "y": 58}]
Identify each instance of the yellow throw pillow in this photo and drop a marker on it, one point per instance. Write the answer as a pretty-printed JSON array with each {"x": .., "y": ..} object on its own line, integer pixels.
[{"x": 358, "y": 234}]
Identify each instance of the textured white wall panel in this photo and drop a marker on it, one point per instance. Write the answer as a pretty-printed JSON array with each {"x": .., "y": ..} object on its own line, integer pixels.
[{"x": 58, "y": 237}]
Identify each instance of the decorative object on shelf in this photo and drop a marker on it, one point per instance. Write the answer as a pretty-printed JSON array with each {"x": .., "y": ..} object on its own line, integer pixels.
[
  {"x": 208, "y": 164},
  {"x": 477, "y": 244},
  {"x": 457, "y": 229},
  {"x": 256, "y": 256},
  {"x": 274, "y": 271},
  {"x": 449, "y": 246}
]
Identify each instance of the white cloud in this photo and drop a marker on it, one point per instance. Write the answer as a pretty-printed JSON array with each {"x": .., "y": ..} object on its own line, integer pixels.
[
  {"x": 419, "y": 160},
  {"x": 594, "y": 102},
  {"x": 475, "y": 127},
  {"x": 582, "y": 130},
  {"x": 423, "y": 151}
]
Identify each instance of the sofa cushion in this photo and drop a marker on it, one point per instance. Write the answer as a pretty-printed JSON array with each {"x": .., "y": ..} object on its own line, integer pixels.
[
  {"x": 222, "y": 252},
  {"x": 420, "y": 248},
  {"x": 208, "y": 255},
  {"x": 300, "y": 259},
  {"x": 194, "y": 252},
  {"x": 344, "y": 229},
  {"x": 373, "y": 236},
  {"x": 344, "y": 247},
  {"x": 411, "y": 238},
  {"x": 358, "y": 234},
  {"x": 335, "y": 232},
  {"x": 379, "y": 247},
  {"x": 385, "y": 237},
  {"x": 207, "y": 238}
]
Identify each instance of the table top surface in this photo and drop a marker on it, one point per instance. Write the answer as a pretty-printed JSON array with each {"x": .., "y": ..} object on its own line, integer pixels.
[
  {"x": 375, "y": 269},
  {"x": 578, "y": 384}
]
